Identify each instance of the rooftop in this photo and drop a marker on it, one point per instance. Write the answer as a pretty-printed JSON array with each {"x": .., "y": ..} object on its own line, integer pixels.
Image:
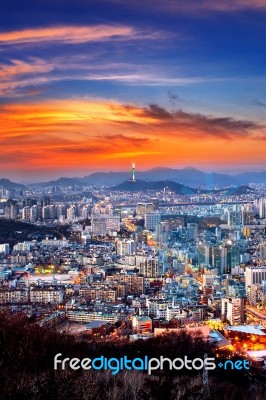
[
  {"x": 249, "y": 329},
  {"x": 95, "y": 324}
]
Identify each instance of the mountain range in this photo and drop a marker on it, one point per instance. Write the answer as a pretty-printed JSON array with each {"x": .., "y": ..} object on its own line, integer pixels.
[
  {"x": 7, "y": 184},
  {"x": 187, "y": 176}
]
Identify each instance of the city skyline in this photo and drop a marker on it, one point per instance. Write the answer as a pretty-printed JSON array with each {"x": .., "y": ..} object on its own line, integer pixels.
[{"x": 91, "y": 86}]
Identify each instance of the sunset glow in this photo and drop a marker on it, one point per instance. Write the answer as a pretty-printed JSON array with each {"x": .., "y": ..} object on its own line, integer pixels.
[{"x": 83, "y": 96}]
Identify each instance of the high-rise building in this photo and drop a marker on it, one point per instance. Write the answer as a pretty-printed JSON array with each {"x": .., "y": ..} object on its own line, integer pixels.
[
  {"x": 216, "y": 256},
  {"x": 60, "y": 211},
  {"x": 48, "y": 212},
  {"x": 26, "y": 214},
  {"x": 255, "y": 294},
  {"x": 182, "y": 233},
  {"x": 112, "y": 223},
  {"x": 143, "y": 208},
  {"x": 201, "y": 252},
  {"x": 14, "y": 211},
  {"x": 7, "y": 193},
  {"x": 162, "y": 233},
  {"x": 233, "y": 310},
  {"x": 33, "y": 214},
  {"x": 233, "y": 255},
  {"x": 4, "y": 248},
  {"x": 71, "y": 213},
  {"x": 192, "y": 231},
  {"x": 234, "y": 217},
  {"x": 148, "y": 266},
  {"x": 247, "y": 217},
  {"x": 262, "y": 207},
  {"x": 99, "y": 225},
  {"x": 46, "y": 201},
  {"x": 263, "y": 251},
  {"x": 125, "y": 247},
  {"x": 255, "y": 275},
  {"x": 152, "y": 219},
  {"x": 209, "y": 277}
]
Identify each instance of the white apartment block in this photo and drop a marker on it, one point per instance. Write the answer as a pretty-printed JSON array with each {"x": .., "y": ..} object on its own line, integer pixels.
[{"x": 233, "y": 310}]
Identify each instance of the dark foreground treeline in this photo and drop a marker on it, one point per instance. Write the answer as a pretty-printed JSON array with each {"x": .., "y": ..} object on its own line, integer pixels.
[{"x": 27, "y": 356}]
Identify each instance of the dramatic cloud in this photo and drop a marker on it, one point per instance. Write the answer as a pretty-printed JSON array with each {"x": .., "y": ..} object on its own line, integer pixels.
[
  {"x": 86, "y": 133},
  {"x": 227, "y": 127},
  {"x": 78, "y": 112},
  {"x": 66, "y": 34},
  {"x": 181, "y": 123}
]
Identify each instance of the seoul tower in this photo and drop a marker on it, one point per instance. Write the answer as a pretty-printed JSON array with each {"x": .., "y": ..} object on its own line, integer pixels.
[{"x": 133, "y": 171}]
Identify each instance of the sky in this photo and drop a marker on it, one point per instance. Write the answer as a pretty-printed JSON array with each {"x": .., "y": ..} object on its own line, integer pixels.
[{"x": 90, "y": 85}]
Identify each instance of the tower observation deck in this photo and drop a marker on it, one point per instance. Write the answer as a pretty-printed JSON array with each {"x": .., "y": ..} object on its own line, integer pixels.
[{"x": 133, "y": 172}]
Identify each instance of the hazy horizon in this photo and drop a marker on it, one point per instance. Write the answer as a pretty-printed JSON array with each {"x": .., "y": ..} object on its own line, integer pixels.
[{"x": 81, "y": 174}]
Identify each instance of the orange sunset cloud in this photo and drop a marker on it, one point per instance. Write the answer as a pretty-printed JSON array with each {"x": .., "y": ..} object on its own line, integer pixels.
[{"x": 76, "y": 134}]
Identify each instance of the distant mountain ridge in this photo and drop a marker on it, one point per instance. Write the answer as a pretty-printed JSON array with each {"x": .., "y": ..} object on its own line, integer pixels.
[
  {"x": 63, "y": 181},
  {"x": 138, "y": 185},
  {"x": 186, "y": 176},
  {"x": 7, "y": 184}
]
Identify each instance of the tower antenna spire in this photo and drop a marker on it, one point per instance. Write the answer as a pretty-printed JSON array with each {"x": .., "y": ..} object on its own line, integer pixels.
[{"x": 133, "y": 171}]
